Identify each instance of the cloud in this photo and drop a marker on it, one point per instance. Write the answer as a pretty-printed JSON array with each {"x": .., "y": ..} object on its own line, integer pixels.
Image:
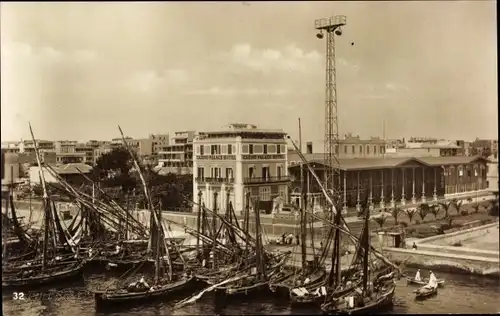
[
  {"x": 217, "y": 91},
  {"x": 290, "y": 58},
  {"x": 44, "y": 54},
  {"x": 396, "y": 87},
  {"x": 151, "y": 80}
]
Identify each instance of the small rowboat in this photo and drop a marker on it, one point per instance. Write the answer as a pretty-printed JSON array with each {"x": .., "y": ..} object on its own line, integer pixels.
[
  {"x": 412, "y": 281},
  {"x": 426, "y": 291},
  {"x": 116, "y": 297}
]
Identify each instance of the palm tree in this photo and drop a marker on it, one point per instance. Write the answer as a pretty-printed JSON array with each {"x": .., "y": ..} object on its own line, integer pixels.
[
  {"x": 380, "y": 220},
  {"x": 410, "y": 213},
  {"x": 434, "y": 210},
  {"x": 476, "y": 207},
  {"x": 446, "y": 207},
  {"x": 423, "y": 210},
  {"x": 395, "y": 211},
  {"x": 457, "y": 205}
]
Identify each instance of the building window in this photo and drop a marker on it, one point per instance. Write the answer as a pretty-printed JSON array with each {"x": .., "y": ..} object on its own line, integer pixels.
[
  {"x": 229, "y": 149},
  {"x": 257, "y": 149},
  {"x": 229, "y": 173},
  {"x": 265, "y": 193},
  {"x": 250, "y": 172},
  {"x": 278, "y": 172},
  {"x": 244, "y": 149},
  {"x": 278, "y": 149},
  {"x": 265, "y": 149},
  {"x": 250, "y": 149},
  {"x": 215, "y": 149},
  {"x": 361, "y": 149},
  {"x": 215, "y": 173},
  {"x": 353, "y": 149},
  {"x": 367, "y": 149},
  {"x": 374, "y": 150},
  {"x": 282, "y": 192},
  {"x": 201, "y": 173},
  {"x": 345, "y": 149},
  {"x": 266, "y": 174}
]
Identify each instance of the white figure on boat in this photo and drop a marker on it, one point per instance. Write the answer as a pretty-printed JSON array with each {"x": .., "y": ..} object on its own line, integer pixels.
[
  {"x": 417, "y": 276},
  {"x": 432, "y": 280},
  {"x": 138, "y": 286}
]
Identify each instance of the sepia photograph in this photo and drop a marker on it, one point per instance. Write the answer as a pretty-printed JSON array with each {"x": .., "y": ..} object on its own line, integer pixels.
[{"x": 249, "y": 158}]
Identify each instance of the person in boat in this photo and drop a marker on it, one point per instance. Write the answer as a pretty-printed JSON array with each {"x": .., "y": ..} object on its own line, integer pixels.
[
  {"x": 432, "y": 279},
  {"x": 142, "y": 285},
  {"x": 414, "y": 247},
  {"x": 417, "y": 276}
]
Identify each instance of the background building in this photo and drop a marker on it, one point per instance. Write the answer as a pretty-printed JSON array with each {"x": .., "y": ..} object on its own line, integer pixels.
[
  {"x": 241, "y": 159},
  {"x": 28, "y": 146},
  {"x": 177, "y": 157},
  {"x": 484, "y": 147}
]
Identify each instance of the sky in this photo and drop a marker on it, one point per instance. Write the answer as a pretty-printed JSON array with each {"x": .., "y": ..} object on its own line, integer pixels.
[{"x": 78, "y": 70}]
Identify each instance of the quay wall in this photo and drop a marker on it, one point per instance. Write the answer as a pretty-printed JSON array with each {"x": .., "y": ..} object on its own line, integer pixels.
[
  {"x": 445, "y": 262},
  {"x": 458, "y": 236}
]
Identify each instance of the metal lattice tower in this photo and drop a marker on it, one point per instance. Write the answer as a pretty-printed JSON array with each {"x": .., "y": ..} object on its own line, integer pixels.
[{"x": 331, "y": 26}]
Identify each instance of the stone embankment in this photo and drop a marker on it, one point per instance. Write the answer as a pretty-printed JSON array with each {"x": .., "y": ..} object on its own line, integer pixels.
[{"x": 436, "y": 253}]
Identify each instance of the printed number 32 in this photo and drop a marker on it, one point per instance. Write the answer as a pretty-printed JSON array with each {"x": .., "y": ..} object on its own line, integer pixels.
[{"x": 18, "y": 296}]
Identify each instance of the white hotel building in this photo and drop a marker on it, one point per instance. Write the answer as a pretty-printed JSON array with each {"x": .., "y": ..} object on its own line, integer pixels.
[{"x": 240, "y": 159}]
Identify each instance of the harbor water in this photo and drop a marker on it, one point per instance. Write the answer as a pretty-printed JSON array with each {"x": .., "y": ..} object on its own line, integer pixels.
[{"x": 461, "y": 294}]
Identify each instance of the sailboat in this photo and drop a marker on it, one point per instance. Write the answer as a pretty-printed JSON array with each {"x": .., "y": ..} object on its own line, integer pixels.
[
  {"x": 164, "y": 285},
  {"x": 258, "y": 267},
  {"x": 372, "y": 296},
  {"x": 51, "y": 269}
]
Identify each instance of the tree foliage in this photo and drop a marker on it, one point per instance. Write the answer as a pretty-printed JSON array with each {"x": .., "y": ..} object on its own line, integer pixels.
[
  {"x": 116, "y": 170},
  {"x": 434, "y": 210},
  {"x": 423, "y": 210},
  {"x": 395, "y": 211},
  {"x": 446, "y": 207},
  {"x": 410, "y": 213}
]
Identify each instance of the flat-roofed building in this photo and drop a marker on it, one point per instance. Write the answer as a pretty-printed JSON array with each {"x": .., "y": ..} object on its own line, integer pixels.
[
  {"x": 177, "y": 156},
  {"x": 240, "y": 159}
]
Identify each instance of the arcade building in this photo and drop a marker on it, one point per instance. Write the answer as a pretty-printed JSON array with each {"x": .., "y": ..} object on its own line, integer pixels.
[{"x": 386, "y": 182}]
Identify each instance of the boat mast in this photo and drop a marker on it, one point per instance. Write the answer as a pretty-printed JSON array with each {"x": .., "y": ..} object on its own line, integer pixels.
[
  {"x": 159, "y": 237},
  {"x": 366, "y": 245},
  {"x": 148, "y": 198},
  {"x": 46, "y": 202},
  {"x": 247, "y": 224},
  {"x": 198, "y": 224},
  {"x": 127, "y": 215},
  {"x": 302, "y": 205},
  {"x": 214, "y": 227},
  {"x": 259, "y": 253}
]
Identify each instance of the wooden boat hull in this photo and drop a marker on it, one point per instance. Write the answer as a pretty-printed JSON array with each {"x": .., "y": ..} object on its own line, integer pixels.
[
  {"x": 72, "y": 272},
  {"x": 425, "y": 292},
  {"x": 410, "y": 281},
  {"x": 381, "y": 303},
  {"x": 318, "y": 300},
  {"x": 114, "y": 298}
]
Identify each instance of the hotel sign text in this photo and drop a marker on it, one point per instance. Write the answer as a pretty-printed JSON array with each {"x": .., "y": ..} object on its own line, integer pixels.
[
  {"x": 216, "y": 157},
  {"x": 262, "y": 157}
]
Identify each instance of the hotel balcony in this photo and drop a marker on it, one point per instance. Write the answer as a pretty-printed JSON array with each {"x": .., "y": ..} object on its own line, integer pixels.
[
  {"x": 254, "y": 180},
  {"x": 215, "y": 180}
]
